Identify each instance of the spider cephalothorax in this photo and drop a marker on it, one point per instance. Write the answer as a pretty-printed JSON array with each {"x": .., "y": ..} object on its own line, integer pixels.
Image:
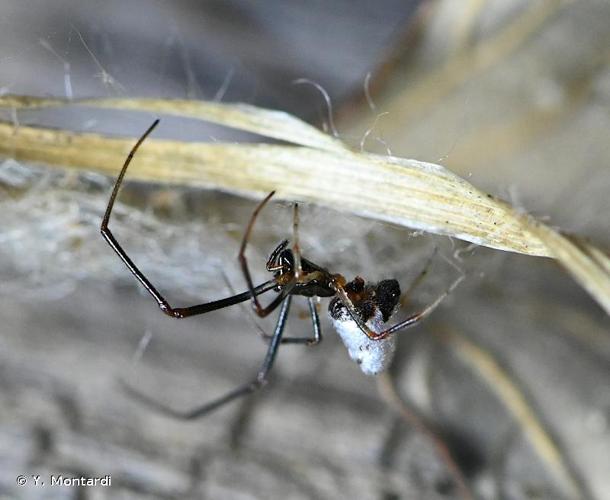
[{"x": 313, "y": 280}]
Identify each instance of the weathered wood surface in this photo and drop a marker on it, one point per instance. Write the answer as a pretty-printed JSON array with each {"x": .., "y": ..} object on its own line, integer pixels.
[{"x": 319, "y": 430}]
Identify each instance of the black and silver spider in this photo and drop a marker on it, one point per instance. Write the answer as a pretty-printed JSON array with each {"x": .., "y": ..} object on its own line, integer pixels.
[{"x": 358, "y": 310}]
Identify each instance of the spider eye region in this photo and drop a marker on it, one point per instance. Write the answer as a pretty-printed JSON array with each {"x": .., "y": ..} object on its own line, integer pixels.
[{"x": 286, "y": 260}]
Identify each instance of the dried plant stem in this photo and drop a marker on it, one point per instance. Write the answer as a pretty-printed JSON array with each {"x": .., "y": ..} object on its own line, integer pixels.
[
  {"x": 515, "y": 401},
  {"x": 406, "y": 192},
  {"x": 587, "y": 264},
  {"x": 467, "y": 63},
  {"x": 318, "y": 169},
  {"x": 388, "y": 391},
  {"x": 265, "y": 122},
  {"x": 465, "y": 23}
]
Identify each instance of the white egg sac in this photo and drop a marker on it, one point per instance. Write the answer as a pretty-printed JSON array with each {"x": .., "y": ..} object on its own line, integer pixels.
[{"x": 373, "y": 356}]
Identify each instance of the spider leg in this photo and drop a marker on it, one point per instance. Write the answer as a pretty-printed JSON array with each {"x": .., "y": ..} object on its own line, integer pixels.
[
  {"x": 419, "y": 278},
  {"x": 406, "y": 323},
  {"x": 313, "y": 312},
  {"x": 317, "y": 330},
  {"x": 259, "y": 381},
  {"x": 296, "y": 249},
  {"x": 315, "y": 323},
  {"x": 287, "y": 288},
  {"x": 161, "y": 301},
  {"x": 315, "y": 319}
]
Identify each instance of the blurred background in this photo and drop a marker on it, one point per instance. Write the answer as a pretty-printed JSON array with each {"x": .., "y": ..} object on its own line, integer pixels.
[{"x": 510, "y": 375}]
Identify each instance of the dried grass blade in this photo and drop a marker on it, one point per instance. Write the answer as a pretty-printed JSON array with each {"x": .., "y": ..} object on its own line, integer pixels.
[
  {"x": 405, "y": 192},
  {"x": 265, "y": 122},
  {"x": 515, "y": 401},
  {"x": 589, "y": 266}
]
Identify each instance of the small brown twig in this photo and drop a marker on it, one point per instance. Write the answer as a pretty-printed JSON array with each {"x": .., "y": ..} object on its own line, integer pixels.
[{"x": 390, "y": 395}]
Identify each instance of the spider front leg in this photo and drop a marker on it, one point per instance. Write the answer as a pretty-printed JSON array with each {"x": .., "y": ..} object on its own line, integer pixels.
[
  {"x": 259, "y": 381},
  {"x": 296, "y": 249},
  {"x": 286, "y": 288},
  {"x": 174, "y": 312}
]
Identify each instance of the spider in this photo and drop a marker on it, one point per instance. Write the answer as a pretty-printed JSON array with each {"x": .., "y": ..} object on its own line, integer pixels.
[{"x": 358, "y": 310}]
